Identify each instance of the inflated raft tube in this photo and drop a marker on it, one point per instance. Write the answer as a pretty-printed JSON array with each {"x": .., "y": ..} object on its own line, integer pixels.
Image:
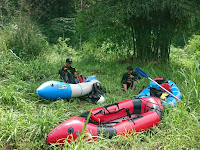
[
  {"x": 54, "y": 90},
  {"x": 167, "y": 84},
  {"x": 126, "y": 117}
]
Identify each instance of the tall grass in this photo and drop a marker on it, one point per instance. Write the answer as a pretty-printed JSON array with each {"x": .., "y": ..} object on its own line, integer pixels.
[
  {"x": 26, "y": 119},
  {"x": 19, "y": 30}
]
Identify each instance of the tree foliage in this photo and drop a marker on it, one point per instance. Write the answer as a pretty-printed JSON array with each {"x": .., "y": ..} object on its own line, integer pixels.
[
  {"x": 146, "y": 27},
  {"x": 55, "y": 18}
]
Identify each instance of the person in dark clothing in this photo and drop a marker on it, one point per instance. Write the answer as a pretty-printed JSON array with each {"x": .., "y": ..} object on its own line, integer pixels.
[
  {"x": 68, "y": 73},
  {"x": 129, "y": 79}
]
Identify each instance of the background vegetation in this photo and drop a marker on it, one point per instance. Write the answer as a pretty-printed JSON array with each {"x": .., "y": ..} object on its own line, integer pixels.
[{"x": 102, "y": 38}]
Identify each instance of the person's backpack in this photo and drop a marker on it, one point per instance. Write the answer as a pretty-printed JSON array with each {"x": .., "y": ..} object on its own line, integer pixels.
[
  {"x": 96, "y": 92},
  {"x": 160, "y": 92},
  {"x": 81, "y": 79},
  {"x": 155, "y": 93}
]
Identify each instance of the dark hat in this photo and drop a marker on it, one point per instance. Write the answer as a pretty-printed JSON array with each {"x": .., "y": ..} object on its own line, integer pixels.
[
  {"x": 129, "y": 68},
  {"x": 69, "y": 60}
]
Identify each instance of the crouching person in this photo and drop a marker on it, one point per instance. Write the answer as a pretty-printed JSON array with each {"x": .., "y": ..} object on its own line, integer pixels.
[{"x": 129, "y": 79}]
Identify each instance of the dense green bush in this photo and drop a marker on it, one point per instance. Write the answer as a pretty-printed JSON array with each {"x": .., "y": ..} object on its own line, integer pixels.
[
  {"x": 194, "y": 46},
  {"x": 104, "y": 52},
  {"x": 23, "y": 36},
  {"x": 19, "y": 30}
]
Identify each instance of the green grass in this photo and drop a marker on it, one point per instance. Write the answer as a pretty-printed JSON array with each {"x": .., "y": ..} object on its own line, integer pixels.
[{"x": 26, "y": 119}]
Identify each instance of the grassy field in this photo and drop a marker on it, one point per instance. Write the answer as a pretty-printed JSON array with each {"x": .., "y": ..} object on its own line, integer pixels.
[{"x": 26, "y": 119}]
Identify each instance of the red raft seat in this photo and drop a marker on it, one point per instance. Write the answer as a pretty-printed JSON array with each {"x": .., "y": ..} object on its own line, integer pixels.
[{"x": 126, "y": 117}]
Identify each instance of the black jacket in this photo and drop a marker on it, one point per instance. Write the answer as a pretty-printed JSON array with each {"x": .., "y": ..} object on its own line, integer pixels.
[
  {"x": 126, "y": 78},
  {"x": 67, "y": 74}
]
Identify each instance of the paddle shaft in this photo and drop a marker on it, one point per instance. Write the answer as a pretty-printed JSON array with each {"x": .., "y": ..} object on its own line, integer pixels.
[{"x": 164, "y": 89}]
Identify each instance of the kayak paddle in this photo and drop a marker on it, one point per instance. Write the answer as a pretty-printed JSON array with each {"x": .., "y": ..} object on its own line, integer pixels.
[{"x": 143, "y": 74}]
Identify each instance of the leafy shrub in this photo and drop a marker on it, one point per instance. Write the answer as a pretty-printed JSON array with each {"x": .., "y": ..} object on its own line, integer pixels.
[
  {"x": 19, "y": 30},
  {"x": 23, "y": 37},
  {"x": 107, "y": 51},
  {"x": 61, "y": 47},
  {"x": 193, "y": 47}
]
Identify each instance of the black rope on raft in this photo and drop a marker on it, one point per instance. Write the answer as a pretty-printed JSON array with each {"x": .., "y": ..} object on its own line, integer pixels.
[{"x": 148, "y": 101}]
